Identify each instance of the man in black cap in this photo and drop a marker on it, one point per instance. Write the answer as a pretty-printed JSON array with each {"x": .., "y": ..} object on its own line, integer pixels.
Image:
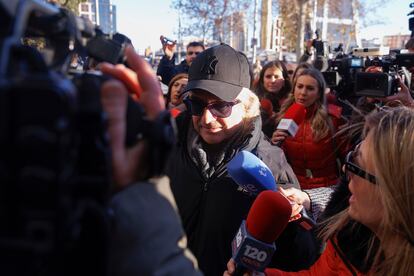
[{"x": 223, "y": 118}]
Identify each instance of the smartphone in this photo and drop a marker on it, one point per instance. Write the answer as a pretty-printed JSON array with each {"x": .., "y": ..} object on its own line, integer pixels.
[{"x": 167, "y": 41}]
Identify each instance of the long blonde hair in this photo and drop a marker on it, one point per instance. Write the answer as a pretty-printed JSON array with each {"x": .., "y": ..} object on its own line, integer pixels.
[
  {"x": 391, "y": 136},
  {"x": 319, "y": 121}
]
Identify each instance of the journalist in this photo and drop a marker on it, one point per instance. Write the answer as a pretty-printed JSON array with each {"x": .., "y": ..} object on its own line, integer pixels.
[
  {"x": 272, "y": 88},
  {"x": 380, "y": 205},
  {"x": 315, "y": 151},
  {"x": 167, "y": 68}
]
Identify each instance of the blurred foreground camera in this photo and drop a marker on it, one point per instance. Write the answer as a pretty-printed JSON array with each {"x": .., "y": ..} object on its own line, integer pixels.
[
  {"x": 55, "y": 170},
  {"x": 411, "y": 20}
]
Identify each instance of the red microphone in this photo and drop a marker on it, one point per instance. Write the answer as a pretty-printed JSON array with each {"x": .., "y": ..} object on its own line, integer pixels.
[
  {"x": 253, "y": 246},
  {"x": 294, "y": 116}
]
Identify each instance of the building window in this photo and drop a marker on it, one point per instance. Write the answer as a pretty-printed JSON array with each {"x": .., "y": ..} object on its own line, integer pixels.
[{"x": 84, "y": 7}]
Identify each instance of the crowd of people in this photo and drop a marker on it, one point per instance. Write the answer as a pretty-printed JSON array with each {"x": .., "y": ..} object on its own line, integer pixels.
[
  {"x": 358, "y": 188},
  {"x": 352, "y": 175},
  {"x": 345, "y": 167}
]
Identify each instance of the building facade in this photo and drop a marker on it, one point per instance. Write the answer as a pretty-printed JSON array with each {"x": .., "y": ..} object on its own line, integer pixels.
[
  {"x": 101, "y": 13},
  {"x": 397, "y": 41}
]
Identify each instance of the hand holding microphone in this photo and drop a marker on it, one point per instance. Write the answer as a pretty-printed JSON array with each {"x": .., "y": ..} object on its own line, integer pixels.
[
  {"x": 254, "y": 177},
  {"x": 253, "y": 246},
  {"x": 279, "y": 136},
  {"x": 289, "y": 124}
]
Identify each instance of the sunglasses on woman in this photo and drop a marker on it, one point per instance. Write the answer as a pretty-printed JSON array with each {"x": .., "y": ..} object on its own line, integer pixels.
[
  {"x": 350, "y": 166},
  {"x": 220, "y": 109}
]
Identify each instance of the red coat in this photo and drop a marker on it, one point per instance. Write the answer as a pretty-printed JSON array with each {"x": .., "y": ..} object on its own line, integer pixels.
[
  {"x": 332, "y": 262},
  {"x": 314, "y": 163}
]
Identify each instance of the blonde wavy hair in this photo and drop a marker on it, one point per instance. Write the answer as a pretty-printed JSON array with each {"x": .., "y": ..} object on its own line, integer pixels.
[
  {"x": 319, "y": 121},
  {"x": 250, "y": 103},
  {"x": 390, "y": 133}
]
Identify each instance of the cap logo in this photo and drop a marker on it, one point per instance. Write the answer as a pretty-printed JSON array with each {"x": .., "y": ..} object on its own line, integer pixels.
[{"x": 209, "y": 67}]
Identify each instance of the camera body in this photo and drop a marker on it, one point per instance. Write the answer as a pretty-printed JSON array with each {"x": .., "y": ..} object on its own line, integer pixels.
[
  {"x": 55, "y": 168},
  {"x": 340, "y": 75},
  {"x": 376, "y": 85},
  {"x": 347, "y": 77},
  {"x": 385, "y": 83}
]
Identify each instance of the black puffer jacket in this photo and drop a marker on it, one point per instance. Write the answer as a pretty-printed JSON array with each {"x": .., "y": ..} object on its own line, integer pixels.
[{"x": 212, "y": 207}]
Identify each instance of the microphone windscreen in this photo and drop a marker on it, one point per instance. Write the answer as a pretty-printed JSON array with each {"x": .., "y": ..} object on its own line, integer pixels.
[
  {"x": 268, "y": 216},
  {"x": 248, "y": 171},
  {"x": 296, "y": 112}
]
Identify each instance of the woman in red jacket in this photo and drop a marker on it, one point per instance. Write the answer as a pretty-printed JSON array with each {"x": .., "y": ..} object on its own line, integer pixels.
[
  {"x": 381, "y": 177},
  {"x": 312, "y": 152}
]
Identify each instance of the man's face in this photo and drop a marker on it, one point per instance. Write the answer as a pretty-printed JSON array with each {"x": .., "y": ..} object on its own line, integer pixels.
[
  {"x": 192, "y": 53},
  {"x": 214, "y": 129}
]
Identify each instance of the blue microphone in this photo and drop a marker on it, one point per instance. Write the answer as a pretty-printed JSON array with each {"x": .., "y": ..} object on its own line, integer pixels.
[
  {"x": 251, "y": 173},
  {"x": 254, "y": 176}
]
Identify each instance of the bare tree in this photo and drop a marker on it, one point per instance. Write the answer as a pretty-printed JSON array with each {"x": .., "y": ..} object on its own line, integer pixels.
[
  {"x": 300, "y": 7},
  {"x": 69, "y": 4},
  {"x": 299, "y": 13},
  {"x": 206, "y": 18}
]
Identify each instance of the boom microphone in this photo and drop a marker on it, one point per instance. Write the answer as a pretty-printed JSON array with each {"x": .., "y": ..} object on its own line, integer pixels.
[
  {"x": 253, "y": 246},
  {"x": 254, "y": 176}
]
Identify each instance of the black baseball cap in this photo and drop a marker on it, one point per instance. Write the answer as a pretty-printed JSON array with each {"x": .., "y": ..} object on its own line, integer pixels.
[{"x": 220, "y": 70}]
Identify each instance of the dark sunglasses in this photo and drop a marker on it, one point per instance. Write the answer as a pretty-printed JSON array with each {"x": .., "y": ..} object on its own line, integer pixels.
[
  {"x": 191, "y": 53},
  {"x": 220, "y": 109},
  {"x": 350, "y": 166}
]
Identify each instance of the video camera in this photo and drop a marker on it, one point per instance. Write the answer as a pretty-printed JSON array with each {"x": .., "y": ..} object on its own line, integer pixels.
[
  {"x": 345, "y": 74},
  {"x": 393, "y": 64},
  {"x": 341, "y": 71},
  {"x": 55, "y": 170},
  {"x": 385, "y": 83}
]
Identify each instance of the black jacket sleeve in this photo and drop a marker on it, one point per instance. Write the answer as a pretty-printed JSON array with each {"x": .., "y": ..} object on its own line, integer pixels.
[
  {"x": 166, "y": 69},
  {"x": 146, "y": 235}
]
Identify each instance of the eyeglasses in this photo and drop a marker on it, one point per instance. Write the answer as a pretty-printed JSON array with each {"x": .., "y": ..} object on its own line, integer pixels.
[
  {"x": 350, "y": 166},
  {"x": 190, "y": 53},
  {"x": 220, "y": 109}
]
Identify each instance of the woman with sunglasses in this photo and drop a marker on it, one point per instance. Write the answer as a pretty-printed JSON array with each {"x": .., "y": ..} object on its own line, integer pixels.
[
  {"x": 272, "y": 89},
  {"x": 381, "y": 177},
  {"x": 314, "y": 152}
]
